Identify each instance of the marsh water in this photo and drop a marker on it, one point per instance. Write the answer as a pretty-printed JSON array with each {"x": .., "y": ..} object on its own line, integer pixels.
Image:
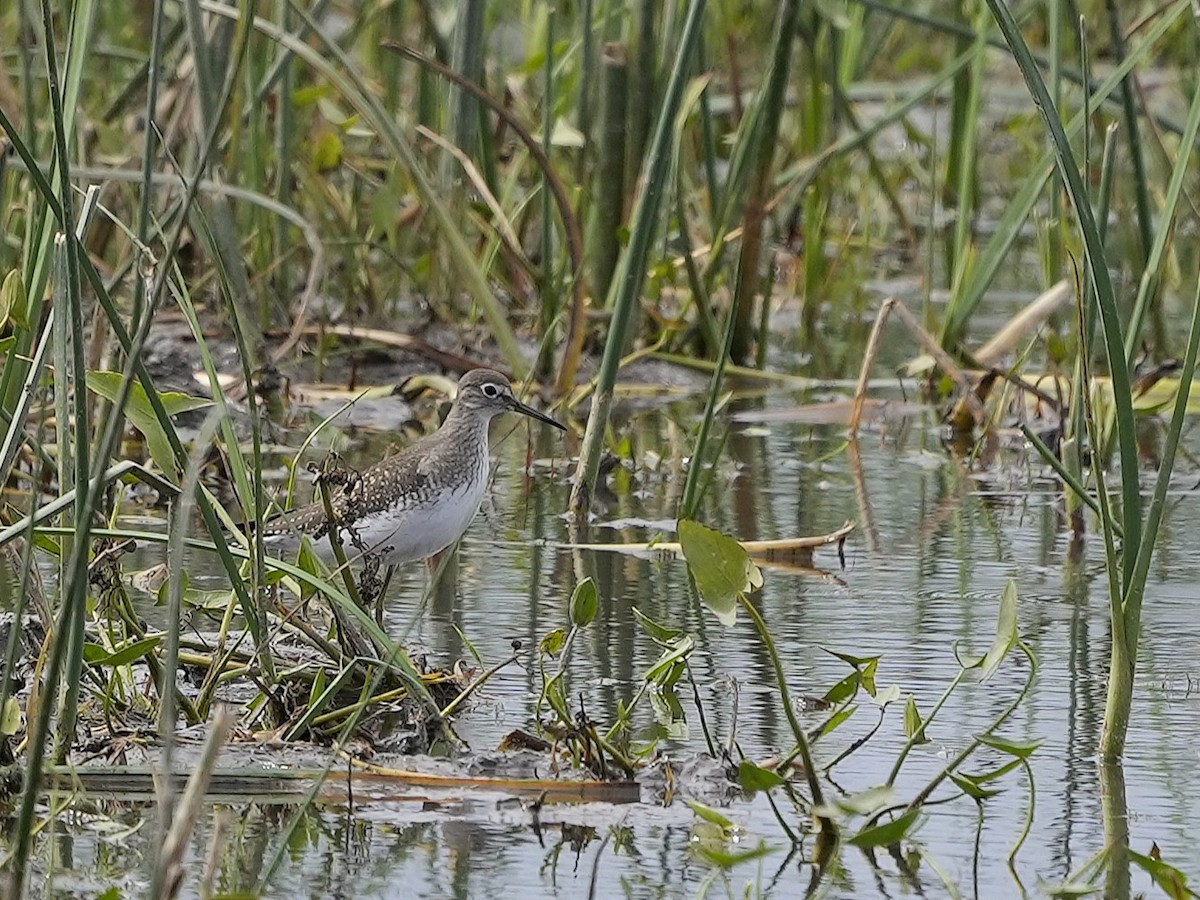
[{"x": 938, "y": 537}]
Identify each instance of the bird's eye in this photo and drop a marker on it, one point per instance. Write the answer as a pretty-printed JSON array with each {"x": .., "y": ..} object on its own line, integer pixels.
[{"x": 490, "y": 390}]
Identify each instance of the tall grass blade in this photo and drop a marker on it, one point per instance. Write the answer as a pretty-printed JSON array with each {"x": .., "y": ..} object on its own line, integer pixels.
[
  {"x": 631, "y": 269},
  {"x": 1098, "y": 269}
]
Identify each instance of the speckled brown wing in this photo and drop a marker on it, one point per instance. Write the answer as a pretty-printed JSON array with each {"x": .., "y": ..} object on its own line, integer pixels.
[{"x": 377, "y": 489}]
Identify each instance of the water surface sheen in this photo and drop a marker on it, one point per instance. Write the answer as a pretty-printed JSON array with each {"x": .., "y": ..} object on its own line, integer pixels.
[{"x": 936, "y": 544}]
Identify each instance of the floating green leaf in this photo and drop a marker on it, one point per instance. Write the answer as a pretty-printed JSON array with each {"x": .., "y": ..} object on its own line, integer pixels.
[
  {"x": 755, "y": 778},
  {"x": 585, "y": 602},
  {"x": 669, "y": 667},
  {"x": 856, "y": 662},
  {"x": 721, "y": 567},
  {"x": 999, "y": 772},
  {"x": 887, "y": 833},
  {"x": 141, "y": 413}
]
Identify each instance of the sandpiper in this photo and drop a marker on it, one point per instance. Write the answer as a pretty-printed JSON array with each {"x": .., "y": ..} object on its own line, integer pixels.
[{"x": 417, "y": 503}]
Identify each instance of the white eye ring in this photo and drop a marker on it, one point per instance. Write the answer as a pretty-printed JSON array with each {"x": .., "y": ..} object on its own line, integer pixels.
[{"x": 490, "y": 390}]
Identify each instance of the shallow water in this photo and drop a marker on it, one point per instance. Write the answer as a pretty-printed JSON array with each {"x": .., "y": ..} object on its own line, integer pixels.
[{"x": 935, "y": 546}]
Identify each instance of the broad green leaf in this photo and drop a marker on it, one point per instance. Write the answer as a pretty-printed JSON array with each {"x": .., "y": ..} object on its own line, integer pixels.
[
  {"x": 1021, "y": 749},
  {"x": 308, "y": 561},
  {"x": 856, "y": 662},
  {"x": 1170, "y": 879},
  {"x": 868, "y": 676},
  {"x": 209, "y": 601},
  {"x": 755, "y": 778},
  {"x": 1006, "y": 632},
  {"x": 912, "y": 721},
  {"x": 999, "y": 772},
  {"x": 10, "y": 718},
  {"x": 708, "y": 814},
  {"x": 721, "y": 567},
  {"x": 585, "y": 602},
  {"x": 669, "y": 714},
  {"x": 672, "y": 657},
  {"x": 163, "y": 595},
  {"x": 14, "y": 304},
  {"x": 889, "y": 694},
  {"x": 658, "y": 632},
  {"x": 844, "y": 689},
  {"x": 553, "y": 642},
  {"x": 887, "y": 833},
  {"x": 141, "y": 414},
  {"x": 327, "y": 151},
  {"x": 557, "y": 697},
  {"x": 971, "y": 787},
  {"x": 869, "y": 801},
  {"x": 835, "y": 721},
  {"x": 121, "y": 656}
]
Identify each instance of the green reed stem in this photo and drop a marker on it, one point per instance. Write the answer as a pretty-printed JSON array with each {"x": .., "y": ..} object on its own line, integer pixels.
[
  {"x": 607, "y": 203},
  {"x": 789, "y": 709}
]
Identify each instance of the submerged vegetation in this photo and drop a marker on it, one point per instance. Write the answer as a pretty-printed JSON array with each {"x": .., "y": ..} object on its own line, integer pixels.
[{"x": 211, "y": 210}]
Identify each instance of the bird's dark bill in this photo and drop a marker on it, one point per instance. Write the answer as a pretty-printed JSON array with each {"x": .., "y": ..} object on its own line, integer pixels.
[{"x": 520, "y": 407}]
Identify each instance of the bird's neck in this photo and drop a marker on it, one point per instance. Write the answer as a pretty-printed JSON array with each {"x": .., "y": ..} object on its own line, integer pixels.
[{"x": 466, "y": 426}]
